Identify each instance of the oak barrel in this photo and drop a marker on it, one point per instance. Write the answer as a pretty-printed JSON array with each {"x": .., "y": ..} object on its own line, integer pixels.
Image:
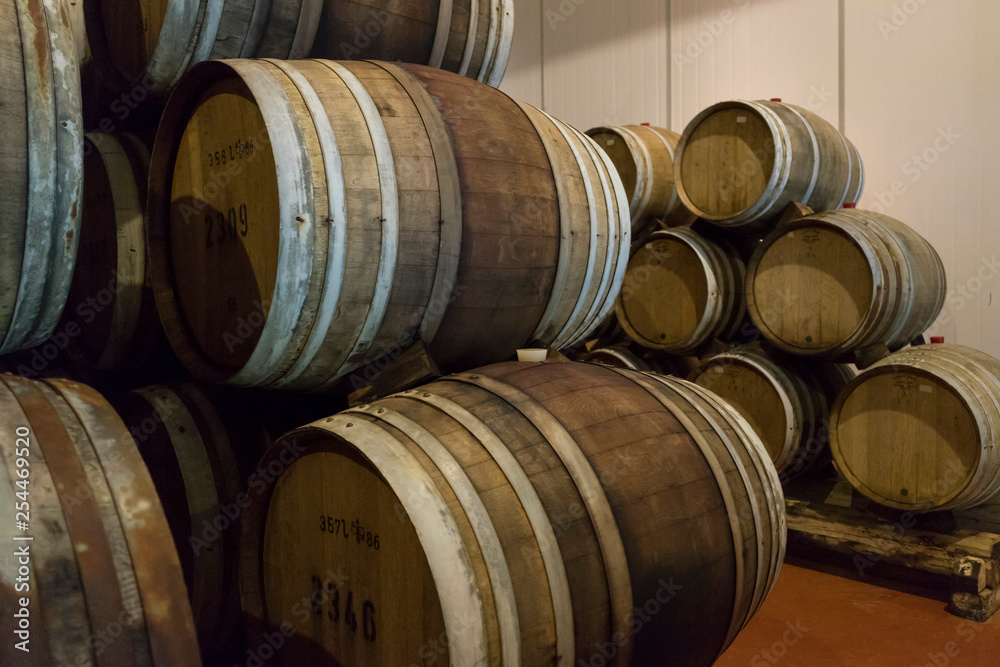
[
  {"x": 41, "y": 167},
  {"x": 681, "y": 291},
  {"x": 917, "y": 430},
  {"x": 645, "y": 360},
  {"x": 99, "y": 571},
  {"x": 786, "y": 401},
  {"x": 147, "y": 45},
  {"x": 199, "y": 452},
  {"x": 111, "y": 298},
  {"x": 518, "y": 514},
  {"x": 307, "y": 218},
  {"x": 832, "y": 283},
  {"x": 470, "y": 37},
  {"x": 644, "y": 158},
  {"x": 741, "y": 162}
]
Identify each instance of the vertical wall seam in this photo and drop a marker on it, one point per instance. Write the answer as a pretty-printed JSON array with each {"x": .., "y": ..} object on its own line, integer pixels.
[
  {"x": 842, "y": 64},
  {"x": 670, "y": 71},
  {"x": 541, "y": 50}
]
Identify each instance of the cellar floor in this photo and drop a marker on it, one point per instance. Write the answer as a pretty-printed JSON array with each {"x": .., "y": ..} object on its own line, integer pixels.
[{"x": 821, "y": 615}]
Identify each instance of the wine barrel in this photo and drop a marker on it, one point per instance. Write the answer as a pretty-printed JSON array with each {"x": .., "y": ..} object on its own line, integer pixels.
[
  {"x": 742, "y": 162},
  {"x": 647, "y": 361},
  {"x": 470, "y": 37},
  {"x": 199, "y": 455},
  {"x": 786, "y": 401},
  {"x": 518, "y": 514},
  {"x": 148, "y": 45},
  {"x": 307, "y": 218},
  {"x": 115, "y": 311},
  {"x": 104, "y": 585},
  {"x": 916, "y": 431},
  {"x": 832, "y": 283},
  {"x": 41, "y": 167},
  {"x": 681, "y": 291},
  {"x": 644, "y": 158}
]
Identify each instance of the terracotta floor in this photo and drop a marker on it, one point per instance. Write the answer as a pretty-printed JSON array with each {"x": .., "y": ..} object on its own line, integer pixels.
[{"x": 816, "y": 619}]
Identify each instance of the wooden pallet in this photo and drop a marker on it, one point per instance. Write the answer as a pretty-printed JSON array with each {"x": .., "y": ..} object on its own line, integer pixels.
[{"x": 955, "y": 548}]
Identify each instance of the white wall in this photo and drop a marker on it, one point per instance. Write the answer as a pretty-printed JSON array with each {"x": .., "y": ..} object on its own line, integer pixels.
[{"x": 913, "y": 83}]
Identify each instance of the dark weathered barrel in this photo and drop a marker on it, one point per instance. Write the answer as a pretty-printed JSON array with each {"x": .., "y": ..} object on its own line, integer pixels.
[
  {"x": 103, "y": 581},
  {"x": 148, "y": 44},
  {"x": 470, "y": 37},
  {"x": 41, "y": 168},
  {"x": 833, "y": 283},
  {"x": 521, "y": 513},
  {"x": 743, "y": 162},
  {"x": 199, "y": 452},
  {"x": 458, "y": 217}
]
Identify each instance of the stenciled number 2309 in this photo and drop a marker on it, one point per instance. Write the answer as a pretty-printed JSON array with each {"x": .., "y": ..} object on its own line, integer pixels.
[{"x": 222, "y": 227}]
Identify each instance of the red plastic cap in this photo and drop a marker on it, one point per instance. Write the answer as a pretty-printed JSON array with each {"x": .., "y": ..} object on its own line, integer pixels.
[
  {"x": 937, "y": 340},
  {"x": 775, "y": 99},
  {"x": 645, "y": 124},
  {"x": 850, "y": 205}
]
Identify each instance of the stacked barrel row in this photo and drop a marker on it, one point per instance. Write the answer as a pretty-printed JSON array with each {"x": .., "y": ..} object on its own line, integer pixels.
[
  {"x": 777, "y": 263},
  {"x": 139, "y": 43}
]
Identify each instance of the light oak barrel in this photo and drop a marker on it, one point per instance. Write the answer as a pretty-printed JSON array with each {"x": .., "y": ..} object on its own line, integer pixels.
[
  {"x": 649, "y": 361},
  {"x": 520, "y": 513},
  {"x": 742, "y": 162},
  {"x": 916, "y": 431},
  {"x": 681, "y": 291},
  {"x": 149, "y": 44},
  {"x": 786, "y": 401},
  {"x": 836, "y": 282},
  {"x": 42, "y": 169},
  {"x": 106, "y": 583},
  {"x": 643, "y": 155},
  {"x": 470, "y": 37},
  {"x": 444, "y": 226},
  {"x": 197, "y": 450}
]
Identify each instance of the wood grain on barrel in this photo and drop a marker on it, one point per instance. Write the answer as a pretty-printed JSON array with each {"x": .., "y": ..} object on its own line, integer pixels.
[
  {"x": 840, "y": 281},
  {"x": 584, "y": 437},
  {"x": 226, "y": 235},
  {"x": 727, "y": 162},
  {"x": 785, "y": 400},
  {"x": 644, "y": 158},
  {"x": 169, "y": 625},
  {"x": 83, "y": 520},
  {"x": 510, "y": 212},
  {"x": 189, "y": 452},
  {"x": 740, "y": 163},
  {"x": 60, "y": 607},
  {"x": 445, "y": 222},
  {"x": 13, "y": 162},
  {"x": 915, "y": 431},
  {"x": 65, "y": 208},
  {"x": 681, "y": 291}
]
